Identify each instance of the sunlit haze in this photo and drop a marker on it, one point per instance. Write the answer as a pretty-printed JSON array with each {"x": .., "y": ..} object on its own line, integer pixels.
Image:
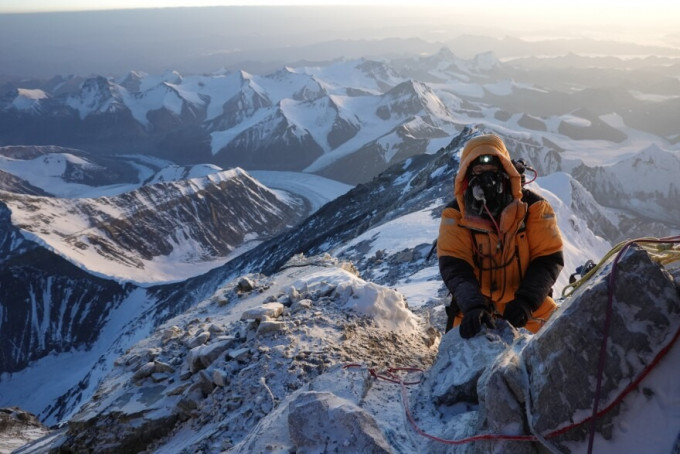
[
  {"x": 658, "y": 16},
  {"x": 41, "y": 38}
]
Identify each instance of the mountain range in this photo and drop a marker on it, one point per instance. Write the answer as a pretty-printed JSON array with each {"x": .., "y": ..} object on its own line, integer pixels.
[
  {"x": 137, "y": 202},
  {"x": 350, "y": 120}
]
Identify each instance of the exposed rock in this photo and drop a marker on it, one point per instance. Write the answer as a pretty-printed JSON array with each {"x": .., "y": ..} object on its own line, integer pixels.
[
  {"x": 220, "y": 378},
  {"x": 18, "y": 427},
  {"x": 245, "y": 284},
  {"x": 144, "y": 371},
  {"x": 645, "y": 317},
  {"x": 204, "y": 355},
  {"x": 267, "y": 310},
  {"x": 460, "y": 363},
  {"x": 200, "y": 339},
  {"x": 268, "y": 327},
  {"x": 293, "y": 294},
  {"x": 174, "y": 332},
  {"x": 301, "y": 305},
  {"x": 323, "y": 422},
  {"x": 556, "y": 369},
  {"x": 562, "y": 359},
  {"x": 161, "y": 367},
  {"x": 502, "y": 404}
]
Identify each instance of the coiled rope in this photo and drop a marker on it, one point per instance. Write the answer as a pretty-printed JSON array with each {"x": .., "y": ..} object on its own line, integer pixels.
[{"x": 662, "y": 250}]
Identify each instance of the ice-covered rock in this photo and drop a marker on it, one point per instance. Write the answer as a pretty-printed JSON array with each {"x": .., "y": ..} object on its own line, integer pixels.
[
  {"x": 323, "y": 422},
  {"x": 645, "y": 315},
  {"x": 460, "y": 363},
  {"x": 267, "y": 310},
  {"x": 558, "y": 369}
]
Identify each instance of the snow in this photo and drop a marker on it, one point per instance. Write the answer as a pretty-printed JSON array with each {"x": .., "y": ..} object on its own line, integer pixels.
[
  {"x": 283, "y": 83},
  {"x": 652, "y": 97},
  {"x": 373, "y": 128},
  {"x": 28, "y": 98},
  {"x": 405, "y": 232},
  {"x": 43, "y": 171},
  {"x": 385, "y": 306},
  {"x": 645, "y": 413},
  {"x": 47, "y": 173},
  {"x": 343, "y": 75},
  {"x": 576, "y": 121},
  {"x": 28, "y": 385},
  {"x": 317, "y": 190},
  {"x": 220, "y": 139},
  {"x": 313, "y": 117},
  {"x": 580, "y": 244},
  {"x": 68, "y": 220},
  {"x": 185, "y": 260},
  {"x": 175, "y": 173}
]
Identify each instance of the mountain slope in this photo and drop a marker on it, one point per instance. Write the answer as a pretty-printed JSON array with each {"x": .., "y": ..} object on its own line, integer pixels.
[
  {"x": 168, "y": 230},
  {"x": 407, "y": 197},
  {"x": 312, "y": 356}
]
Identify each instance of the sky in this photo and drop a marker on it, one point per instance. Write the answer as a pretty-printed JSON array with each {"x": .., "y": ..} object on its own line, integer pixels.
[
  {"x": 609, "y": 16},
  {"x": 606, "y": 11}
]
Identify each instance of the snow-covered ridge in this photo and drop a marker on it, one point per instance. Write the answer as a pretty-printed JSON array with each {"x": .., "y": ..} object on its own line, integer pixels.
[
  {"x": 28, "y": 99},
  {"x": 645, "y": 183},
  {"x": 169, "y": 230},
  {"x": 334, "y": 118},
  {"x": 384, "y": 228}
]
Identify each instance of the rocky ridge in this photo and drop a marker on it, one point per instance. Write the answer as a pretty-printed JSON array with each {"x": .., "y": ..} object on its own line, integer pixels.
[{"x": 260, "y": 380}]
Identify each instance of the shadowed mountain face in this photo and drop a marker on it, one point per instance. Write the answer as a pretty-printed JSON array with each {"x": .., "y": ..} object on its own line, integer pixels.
[{"x": 50, "y": 306}]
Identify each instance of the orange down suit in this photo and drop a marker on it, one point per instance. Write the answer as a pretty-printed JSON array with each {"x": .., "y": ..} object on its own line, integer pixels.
[{"x": 520, "y": 258}]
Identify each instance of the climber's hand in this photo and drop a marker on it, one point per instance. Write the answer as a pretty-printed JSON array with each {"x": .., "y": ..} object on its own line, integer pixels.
[
  {"x": 517, "y": 313},
  {"x": 473, "y": 320}
]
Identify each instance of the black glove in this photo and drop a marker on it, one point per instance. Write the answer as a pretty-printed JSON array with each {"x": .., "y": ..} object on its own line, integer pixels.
[
  {"x": 517, "y": 313},
  {"x": 472, "y": 322}
]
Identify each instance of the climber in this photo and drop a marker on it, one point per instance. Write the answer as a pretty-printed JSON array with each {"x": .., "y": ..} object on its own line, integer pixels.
[{"x": 499, "y": 247}]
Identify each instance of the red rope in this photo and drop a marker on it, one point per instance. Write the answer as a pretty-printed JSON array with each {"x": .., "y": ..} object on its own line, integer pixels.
[
  {"x": 534, "y": 178},
  {"x": 393, "y": 378}
]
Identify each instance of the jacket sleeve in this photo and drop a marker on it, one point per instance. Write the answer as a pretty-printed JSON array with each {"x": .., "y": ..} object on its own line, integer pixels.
[
  {"x": 545, "y": 251},
  {"x": 454, "y": 249}
]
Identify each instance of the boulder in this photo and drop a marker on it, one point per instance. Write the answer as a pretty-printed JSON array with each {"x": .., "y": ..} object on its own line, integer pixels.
[
  {"x": 461, "y": 362},
  {"x": 203, "y": 356},
  {"x": 267, "y": 310},
  {"x": 199, "y": 339},
  {"x": 562, "y": 359},
  {"x": 245, "y": 284},
  {"x": 557, "y": 370},
  {"x": 323, "y": 422},
  {"x": 268, "y": 327}
]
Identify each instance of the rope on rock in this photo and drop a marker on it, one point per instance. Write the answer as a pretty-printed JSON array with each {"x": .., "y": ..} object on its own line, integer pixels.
[
  {"x": 607, "y": 321},
  {"x": 664, "y": 251},
  {"x": 391, "y": 377}
]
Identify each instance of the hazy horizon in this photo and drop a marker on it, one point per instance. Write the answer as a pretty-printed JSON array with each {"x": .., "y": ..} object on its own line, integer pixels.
[{"x": 205, "y": 39}]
